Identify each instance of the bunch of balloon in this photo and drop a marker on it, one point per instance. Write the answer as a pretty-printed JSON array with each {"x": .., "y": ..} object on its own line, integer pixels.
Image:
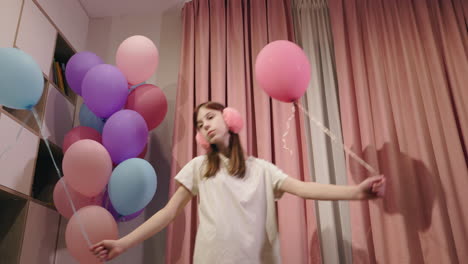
[{"x": 103, "y": 160}]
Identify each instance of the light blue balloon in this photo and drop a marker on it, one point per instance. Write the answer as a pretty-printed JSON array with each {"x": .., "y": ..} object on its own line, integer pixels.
[
  {"x": 89, "y": 119},
  {"x": 132, "y": 186},
  {"x": 21, "y": 79}
]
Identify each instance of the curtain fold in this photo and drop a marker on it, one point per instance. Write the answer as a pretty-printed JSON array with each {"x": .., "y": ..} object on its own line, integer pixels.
[
  {"x": 327, "y": 160},
  {"x": 402, "y": 70}
]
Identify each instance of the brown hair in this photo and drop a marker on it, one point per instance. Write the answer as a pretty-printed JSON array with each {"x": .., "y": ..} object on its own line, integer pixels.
[{"x": 236, "y": 165}]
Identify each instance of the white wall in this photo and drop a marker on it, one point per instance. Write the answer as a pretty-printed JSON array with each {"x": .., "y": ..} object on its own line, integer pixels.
[
  {"x": 164, "y": 29},
  {"x": 10, "y": 11}
]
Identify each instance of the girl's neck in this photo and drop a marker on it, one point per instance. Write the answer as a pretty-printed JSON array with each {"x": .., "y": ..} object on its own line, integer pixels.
[
  {"x": 223, "y": 147},
  {"x": 223, "y": 150}
]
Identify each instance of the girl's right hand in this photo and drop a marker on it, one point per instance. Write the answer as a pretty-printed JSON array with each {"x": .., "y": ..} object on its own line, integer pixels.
[{"x": 108, "y": 249}]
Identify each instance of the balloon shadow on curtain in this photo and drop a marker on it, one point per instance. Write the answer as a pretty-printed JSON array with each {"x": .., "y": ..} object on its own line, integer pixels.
[{"x": 412, "y": 191}]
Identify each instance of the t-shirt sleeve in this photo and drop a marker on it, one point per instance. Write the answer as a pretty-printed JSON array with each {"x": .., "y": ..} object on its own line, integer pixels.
[
  {"x": 190, "y": 174},
  {"x": 277, "y": 178}
]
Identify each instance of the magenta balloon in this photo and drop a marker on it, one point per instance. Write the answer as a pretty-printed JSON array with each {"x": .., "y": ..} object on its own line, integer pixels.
[
  {"x": 282, "y": 70},
  {"x": 79, "y": 133},
  {"x": 150, "y": 102}
]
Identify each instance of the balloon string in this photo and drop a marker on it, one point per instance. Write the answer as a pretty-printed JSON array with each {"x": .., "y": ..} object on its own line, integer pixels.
[
  {"x": 288, "y": 126},
  {"x": 333, "y": 138},
  {"x": 82, "y": 229}
]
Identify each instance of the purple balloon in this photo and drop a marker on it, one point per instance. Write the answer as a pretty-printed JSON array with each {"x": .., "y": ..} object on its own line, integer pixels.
[
  {"x": 125, "y": 135},
  {"x": 77, "y": 67},
  {"x": 105, "y": 90},
  {"x": 107, "y": 204}
]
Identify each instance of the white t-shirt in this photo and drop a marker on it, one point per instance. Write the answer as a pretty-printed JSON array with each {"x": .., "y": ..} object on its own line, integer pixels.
[{"x": 237, "y": 217}]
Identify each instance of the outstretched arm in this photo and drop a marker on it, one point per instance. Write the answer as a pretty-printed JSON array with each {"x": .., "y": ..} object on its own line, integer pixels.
[
  {"x": 371, "y": 188},
  {"x": 109, "y": 249}
]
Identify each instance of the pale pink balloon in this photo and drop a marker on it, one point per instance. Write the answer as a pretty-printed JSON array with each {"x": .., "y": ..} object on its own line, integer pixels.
[
  {"x": 150, "y": 102},
  {"x": 97, "y": 223},
  {"x": 282, "y": 70},
  {"x": 87, "y": 167},
  {"x": 79, "y": 133},
  {"x": 137, "y": 57},
  {"x": 62, "y": 203}
]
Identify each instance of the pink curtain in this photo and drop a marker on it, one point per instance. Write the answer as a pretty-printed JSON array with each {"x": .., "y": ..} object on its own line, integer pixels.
[
  {"x": 220, "y": 42},
  {"x": 402, "y": 70}
]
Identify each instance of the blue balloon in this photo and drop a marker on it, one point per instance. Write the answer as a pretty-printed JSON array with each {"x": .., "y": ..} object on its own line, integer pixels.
[
  {"x": 89, "y": 119},
  {"x": 21, "y": 79},
  {"x": 132, "y": 186}
]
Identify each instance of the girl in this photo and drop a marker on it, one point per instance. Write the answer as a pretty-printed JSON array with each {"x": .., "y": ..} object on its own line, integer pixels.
[{"x": 237, "y": 217}]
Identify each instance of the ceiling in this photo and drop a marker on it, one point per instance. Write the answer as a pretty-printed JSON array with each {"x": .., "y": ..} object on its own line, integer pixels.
[{"x": 105, "y": 8}]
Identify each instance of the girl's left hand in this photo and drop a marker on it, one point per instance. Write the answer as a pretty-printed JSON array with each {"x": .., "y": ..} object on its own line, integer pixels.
[{"x": 371, "y": 188}]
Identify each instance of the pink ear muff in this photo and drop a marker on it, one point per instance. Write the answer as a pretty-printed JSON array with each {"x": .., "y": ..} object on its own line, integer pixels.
[
  {"x": 233, "y": 119},
  {"x": 202, "y": 141}
]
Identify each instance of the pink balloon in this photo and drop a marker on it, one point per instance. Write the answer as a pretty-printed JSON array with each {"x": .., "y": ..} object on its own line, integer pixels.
[
  {"x": 79, "y": 133},
  {"x": 98, "y": 224},
  {"x": 62, "y": 203},
  {"x": 87, "y": 167},
  {"x": 283, "y": 70},
  {"x": 150, "y": 102},
  {"x": 137, "y": 57}
]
